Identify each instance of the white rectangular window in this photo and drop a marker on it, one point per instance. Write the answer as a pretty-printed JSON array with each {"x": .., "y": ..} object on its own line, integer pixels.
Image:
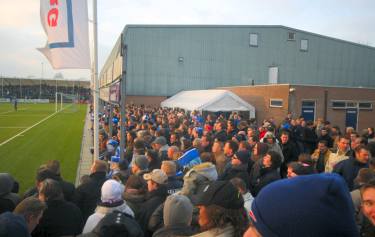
[
  {"x": 291, "y": 36},
  {"x": 254, "y": 39},
  {"x": 304, "y": 45},
  {"x": 365, "y": 105},
  {"x": 276, "y": 103},
  {"x": 337, "y": 104}
]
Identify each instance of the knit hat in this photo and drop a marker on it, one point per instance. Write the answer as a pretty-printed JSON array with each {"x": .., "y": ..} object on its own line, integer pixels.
[
  {"x": 157, "y": 175},
  {"x": 240, "y": 137},
  {"x": 243, "y": 156},
  {"x": 141, "y": 161},
  {"x": 135, "y": 182},
  {"x": 178, "y": 210},
  {"x": 300, "y": 168},
  {"x": 309, "y": 205},
  {"x": 115, "y": 159},
  {"x": 221, "y": 193},
  {"x": 112, "y": 192},
  {"x": 160, "y": 140}
]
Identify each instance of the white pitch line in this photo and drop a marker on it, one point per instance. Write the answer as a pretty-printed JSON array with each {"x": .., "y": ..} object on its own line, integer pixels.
[
  {"x": 13, "y": 127},
  {"x": 27, "y": 129},
  {"x": 10, "y": 111},
  {"x": 6, "y": 112}
]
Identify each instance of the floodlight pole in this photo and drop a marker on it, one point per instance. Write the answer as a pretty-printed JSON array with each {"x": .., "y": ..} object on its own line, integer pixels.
[
  {"x": 40, "y": 82},
  {"x": 56, "y": 101},
  {"x": 20, "y": 89},
  {"x": 96, "y": 82}
]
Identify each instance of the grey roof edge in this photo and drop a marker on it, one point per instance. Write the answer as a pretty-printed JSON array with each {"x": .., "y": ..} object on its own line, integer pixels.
[
  {"x": 306, "y": 85},
  {"x": 242, "y": 26},
  {"x": 111, "y": 56}
]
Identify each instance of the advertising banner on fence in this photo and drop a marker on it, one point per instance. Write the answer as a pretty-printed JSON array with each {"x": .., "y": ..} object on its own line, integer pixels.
[{"x": 114, "y": 93}]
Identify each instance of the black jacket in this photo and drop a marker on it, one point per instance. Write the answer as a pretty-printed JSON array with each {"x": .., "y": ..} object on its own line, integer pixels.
[
  {"x": 135, "y": 202},
  {"x": 60, "y": 218},
  {"x": 309, "y": 140},
  {"x": 153, "y": 200},
  {"x": 221, "y": 136},
  {"x": 267, "y": 176},
  {"x": 68, "y": 189},
  {"x": 290, "y": 151},
  {"x": 327, "y": 138},
  {"x": 349, "y": 169},
  {"x": 173, "y": 184},
  {"x": 239, "y": 171},
  {"x": 88, "y": 194}
]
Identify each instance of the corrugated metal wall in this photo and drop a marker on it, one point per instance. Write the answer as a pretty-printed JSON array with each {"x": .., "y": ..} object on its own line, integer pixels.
[{"x": 163, "y": 60}]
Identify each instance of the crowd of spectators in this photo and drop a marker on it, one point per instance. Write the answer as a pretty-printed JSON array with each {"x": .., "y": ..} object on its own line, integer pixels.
[
  {"x": 187, "y": 175},
  {"x": 43, "y": 91}
]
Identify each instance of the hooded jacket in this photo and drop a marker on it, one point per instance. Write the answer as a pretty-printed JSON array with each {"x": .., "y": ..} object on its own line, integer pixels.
[
  {"x": 196, "y": 179},
  {"x": 8, "y": 200}
]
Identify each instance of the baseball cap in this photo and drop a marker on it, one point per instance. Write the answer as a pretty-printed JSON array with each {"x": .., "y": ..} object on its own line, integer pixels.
[{"x": 221, "y": 193}]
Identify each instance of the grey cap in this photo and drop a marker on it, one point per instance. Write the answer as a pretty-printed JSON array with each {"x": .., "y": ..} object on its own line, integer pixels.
[
  {"x": 178, "y": 210},
  {"x": 141, "y": 161},
  {"x": 160, "y": 140}
]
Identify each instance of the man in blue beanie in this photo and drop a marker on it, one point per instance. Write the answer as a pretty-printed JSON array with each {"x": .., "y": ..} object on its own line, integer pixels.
[{"x": 310, "y": 205}]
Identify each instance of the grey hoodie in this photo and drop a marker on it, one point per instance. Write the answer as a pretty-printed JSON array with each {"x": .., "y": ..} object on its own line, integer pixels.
[{"x": 6, "y": 185}]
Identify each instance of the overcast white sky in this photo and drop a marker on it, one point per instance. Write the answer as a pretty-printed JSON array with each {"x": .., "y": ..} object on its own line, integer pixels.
[{"x": 21, "y": 32}]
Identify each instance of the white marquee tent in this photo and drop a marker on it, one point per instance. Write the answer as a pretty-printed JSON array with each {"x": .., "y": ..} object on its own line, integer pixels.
[{"x": 208, "y": 100}]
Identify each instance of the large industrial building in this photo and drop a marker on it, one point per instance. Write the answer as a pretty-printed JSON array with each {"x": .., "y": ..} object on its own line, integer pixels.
[{"x": 161, "y": 60}]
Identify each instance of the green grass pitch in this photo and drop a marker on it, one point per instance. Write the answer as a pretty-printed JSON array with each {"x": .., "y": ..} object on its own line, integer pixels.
[{"x": 58, "y": 137}]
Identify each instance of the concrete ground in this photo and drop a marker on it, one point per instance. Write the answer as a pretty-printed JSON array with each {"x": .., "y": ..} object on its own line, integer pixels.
[{"x": 86, "y": 156}]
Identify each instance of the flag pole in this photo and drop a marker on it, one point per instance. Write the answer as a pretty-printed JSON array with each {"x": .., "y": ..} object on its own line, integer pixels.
[{"x": 96, "y": 83}]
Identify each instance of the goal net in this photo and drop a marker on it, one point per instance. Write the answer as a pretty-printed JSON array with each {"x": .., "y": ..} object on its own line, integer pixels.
[{"x": 66, "y": 103}]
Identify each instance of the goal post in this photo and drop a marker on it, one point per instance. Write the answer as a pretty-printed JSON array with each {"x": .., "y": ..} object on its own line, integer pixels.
[{"x": 66, "y": 102}]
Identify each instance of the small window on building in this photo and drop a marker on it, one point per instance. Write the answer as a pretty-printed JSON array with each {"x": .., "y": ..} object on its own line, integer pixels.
[
  {"x": 291, "y": 36},
  {"x": 254, "y": 39},
  {"x": 365, "y": 105},
  {"x": 276, "y": 103},
  {"x": 351, "y": 104},
  {"x": 338, "y": 104},
  {"x": 304, "y": 45},
  {"x": 308, "y": 103}
]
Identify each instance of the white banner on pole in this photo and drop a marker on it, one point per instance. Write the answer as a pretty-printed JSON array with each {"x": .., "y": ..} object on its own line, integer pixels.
[{"x": 66, "y": 25}]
